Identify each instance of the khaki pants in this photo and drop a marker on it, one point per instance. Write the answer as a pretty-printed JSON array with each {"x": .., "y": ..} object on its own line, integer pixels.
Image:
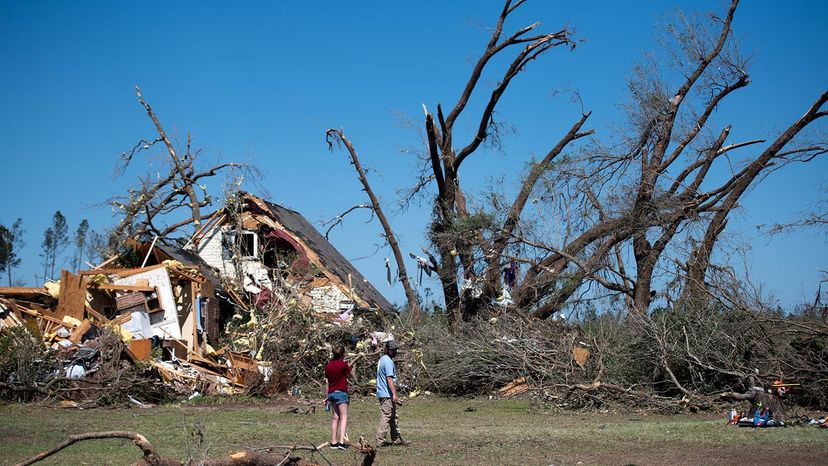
[{"x": 388, "y": 419}]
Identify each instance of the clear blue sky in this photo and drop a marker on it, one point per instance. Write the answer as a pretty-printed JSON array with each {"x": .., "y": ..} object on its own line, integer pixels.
[{"x": 261, "y": 81}]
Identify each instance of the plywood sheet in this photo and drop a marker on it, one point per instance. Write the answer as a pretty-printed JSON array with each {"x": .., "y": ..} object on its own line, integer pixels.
[{"x": 72, "y": 299}]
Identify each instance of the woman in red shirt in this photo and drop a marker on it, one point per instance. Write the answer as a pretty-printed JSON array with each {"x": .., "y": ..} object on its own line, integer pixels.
[{"x": 337, "y": 372}]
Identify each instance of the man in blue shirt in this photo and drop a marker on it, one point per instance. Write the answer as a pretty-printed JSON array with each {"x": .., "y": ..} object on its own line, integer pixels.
[{"x": 387, "y": 396}]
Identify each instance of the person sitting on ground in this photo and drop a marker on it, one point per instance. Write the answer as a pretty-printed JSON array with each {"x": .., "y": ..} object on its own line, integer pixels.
[
  {"x": 387, "y": 396},
  {"x": 336, "y": 372}
]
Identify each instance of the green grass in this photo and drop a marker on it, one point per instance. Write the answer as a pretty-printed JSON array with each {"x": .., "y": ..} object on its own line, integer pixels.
[{"x": 444, "y": 431}]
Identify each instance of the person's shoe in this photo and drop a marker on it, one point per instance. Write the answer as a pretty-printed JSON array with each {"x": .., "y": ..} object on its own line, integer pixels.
[
  {"x": 333, "y": 446},
  {"x": 402, "y": 442},
  {"x": 384, "y": 443},
  {"x": 342, "y": 446}
]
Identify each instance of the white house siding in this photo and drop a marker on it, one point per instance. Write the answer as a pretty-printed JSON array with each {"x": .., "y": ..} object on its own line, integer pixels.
[{"x": 211, "y": 249}]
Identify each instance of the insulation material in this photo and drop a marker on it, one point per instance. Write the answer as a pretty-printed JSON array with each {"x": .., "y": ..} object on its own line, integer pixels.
[{"x": 139, "y": 325}]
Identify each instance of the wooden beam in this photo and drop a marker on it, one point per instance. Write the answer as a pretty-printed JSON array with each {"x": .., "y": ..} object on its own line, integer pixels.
[
  {"x": 38, "y": 315},
  {"x": 22, "y": 290},
  {"x": 111, "y": 259},
  {"x": 130, "y": 272},
  {"x": 80, "y": 331},
  {"x": 97, "y": 315},
  {"x": 115, "y": 287},
  {"x": 103, "y": 271},
  {"x": 121, "y": 319}
]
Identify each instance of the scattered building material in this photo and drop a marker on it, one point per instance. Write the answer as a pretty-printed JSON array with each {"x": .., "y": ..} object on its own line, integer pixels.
[{"x": 161, "y": 306}]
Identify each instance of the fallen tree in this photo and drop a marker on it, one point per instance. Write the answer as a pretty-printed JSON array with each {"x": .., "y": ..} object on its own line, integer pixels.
[{"x": 668, "y": 360}]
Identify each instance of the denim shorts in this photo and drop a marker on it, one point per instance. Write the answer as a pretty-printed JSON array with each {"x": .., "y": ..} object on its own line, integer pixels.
[{"x": 338, "y": 397}]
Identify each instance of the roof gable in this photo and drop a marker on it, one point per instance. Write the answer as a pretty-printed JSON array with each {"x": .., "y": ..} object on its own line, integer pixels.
[{"x": 331, "y": 258}]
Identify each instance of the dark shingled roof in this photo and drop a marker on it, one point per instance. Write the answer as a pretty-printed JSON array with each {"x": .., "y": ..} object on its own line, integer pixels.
[
  {"x": 191, "y": 258},
  {"x": 295, "y": 223}
]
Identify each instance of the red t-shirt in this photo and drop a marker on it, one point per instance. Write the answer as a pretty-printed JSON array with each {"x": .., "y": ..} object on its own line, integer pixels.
[{"x": 337, "y": 374}]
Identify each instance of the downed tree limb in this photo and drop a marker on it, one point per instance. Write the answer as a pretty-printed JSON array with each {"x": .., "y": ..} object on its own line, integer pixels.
[
  {"x": 150, "y": 457},
  {"x": 260, "y": 457}
]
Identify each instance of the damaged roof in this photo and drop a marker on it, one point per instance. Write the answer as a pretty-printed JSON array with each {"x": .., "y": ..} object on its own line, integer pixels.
[
  {"x": 191, "y": 258},
  {"x": 332, "y": 259}
]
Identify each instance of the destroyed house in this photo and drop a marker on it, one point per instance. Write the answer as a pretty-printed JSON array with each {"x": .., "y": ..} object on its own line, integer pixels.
[
  {"x": 215, "y": 306},
  {"x": 264, "y": 242}
]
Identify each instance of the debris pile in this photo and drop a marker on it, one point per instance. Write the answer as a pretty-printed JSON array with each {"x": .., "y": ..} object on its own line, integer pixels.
[
  {"x": 251, "y": 303},
  {"x": 154, "y": 317}
]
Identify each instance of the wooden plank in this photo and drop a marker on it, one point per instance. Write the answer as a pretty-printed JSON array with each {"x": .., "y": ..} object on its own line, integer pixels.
[
  {"x": 130, "y": 272},
  {"x": 97, "y": 315},
  {"x": 122, "y": 319},
  {"x": 196, "y": 359},
  {"x": 80, "y": 331},
  {"x": 214, "y": 220},
  {"x": 72, "y": 298},
  {"x": 103, "y": 271},
  {"x": 191, "y": 274},
  {"x": 114, "y": 287},
  {"x": 141, "y": 349},
  {"x": 108, "y": 261},
  {"x": 39, "y": 315},
  {"x": 22, "y": 290}
]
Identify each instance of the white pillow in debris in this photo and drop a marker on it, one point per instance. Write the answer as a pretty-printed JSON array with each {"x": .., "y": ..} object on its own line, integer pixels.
[
  {"x": 380, "y": 337},
  {"x": 75, "y": 371}
]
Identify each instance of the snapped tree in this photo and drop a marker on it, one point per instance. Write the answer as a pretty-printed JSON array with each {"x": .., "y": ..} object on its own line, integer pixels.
[
  {"x": 165, "y": 203},
  {"x": 622, "y": 197}
]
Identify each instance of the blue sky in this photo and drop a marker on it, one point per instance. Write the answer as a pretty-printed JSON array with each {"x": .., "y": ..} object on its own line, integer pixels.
[{"x": 261, "y": 81}]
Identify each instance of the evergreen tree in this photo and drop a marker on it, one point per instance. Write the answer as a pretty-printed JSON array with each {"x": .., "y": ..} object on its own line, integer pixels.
[
  {"x": 81, "y": 236},
  {"x": 48, "y": 246},
  {"x": 11, "y": 242}
]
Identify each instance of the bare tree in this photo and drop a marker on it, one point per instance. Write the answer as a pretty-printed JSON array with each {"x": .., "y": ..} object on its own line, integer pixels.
[
  {"x": 815, "y": 218},
  {"x": 623, "y": 201},
  {"x": 338, "y": 136},
  {"x": 155, "y": 206},
  {"x": 629, "y": 196}
]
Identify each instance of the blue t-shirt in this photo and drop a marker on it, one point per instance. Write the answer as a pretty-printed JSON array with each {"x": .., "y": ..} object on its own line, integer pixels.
[{"x": 385, "y": 368}]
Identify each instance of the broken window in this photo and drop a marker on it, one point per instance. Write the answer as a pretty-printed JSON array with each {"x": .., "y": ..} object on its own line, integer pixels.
[{"x": 245, "y": 243}]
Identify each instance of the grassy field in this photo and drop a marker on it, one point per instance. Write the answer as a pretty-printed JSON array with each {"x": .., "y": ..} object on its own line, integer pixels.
[{"x": 444, "y": 431}]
